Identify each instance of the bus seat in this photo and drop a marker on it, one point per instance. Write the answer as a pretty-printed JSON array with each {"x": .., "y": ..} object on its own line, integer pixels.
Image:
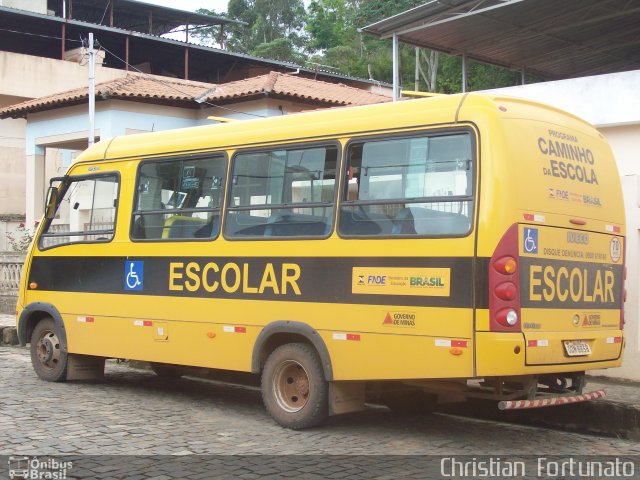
[
  {"x": 148, "y": 226},
  {"x": 286, "y": 224},
  {"x": 242, "y": 225},
  {"x": 434, "y": 222},
  {"x": 357, "y": 222},
  {"x": 179, "y": 226},
  {"x": 403, "y": 223},
  {"x": 210, "y": 229}
]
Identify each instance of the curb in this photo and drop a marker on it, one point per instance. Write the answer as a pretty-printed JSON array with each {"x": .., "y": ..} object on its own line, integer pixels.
[
  {"x": 599, "y": 417},
  {"x": 8, "y": 336}
]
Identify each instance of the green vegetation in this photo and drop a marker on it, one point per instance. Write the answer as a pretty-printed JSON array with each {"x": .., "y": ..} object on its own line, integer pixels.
[{"x": 326, "y": 37}]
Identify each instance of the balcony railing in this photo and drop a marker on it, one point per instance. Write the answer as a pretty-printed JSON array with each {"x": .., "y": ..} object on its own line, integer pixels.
[{"x": 10, "y": 271}]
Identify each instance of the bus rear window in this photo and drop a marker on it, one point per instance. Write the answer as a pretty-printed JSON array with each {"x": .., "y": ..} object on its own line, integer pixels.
[{"x": 415, "y": 186}]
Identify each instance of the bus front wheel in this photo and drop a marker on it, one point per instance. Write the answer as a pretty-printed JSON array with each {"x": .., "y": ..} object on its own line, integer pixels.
[
  {"x": 48, "y": 356},
  {"x": 294, "y": 390}
]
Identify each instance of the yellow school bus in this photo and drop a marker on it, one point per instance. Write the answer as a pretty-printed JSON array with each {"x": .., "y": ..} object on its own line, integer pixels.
[{"x": 406, "y": 253}]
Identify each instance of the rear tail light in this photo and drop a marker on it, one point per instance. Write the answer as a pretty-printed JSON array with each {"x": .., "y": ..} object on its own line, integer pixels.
[
  {"x": 506, "y": 291},
  {"x": 507, "y": 317},
  {"x": 506, "y": 265},
  {"x": 504, "y": 284},
  {"x": 623, "y": 288}
]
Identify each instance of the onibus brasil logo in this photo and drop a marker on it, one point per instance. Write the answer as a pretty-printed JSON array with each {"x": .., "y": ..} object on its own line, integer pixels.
[{"x": 34, "y": 468}]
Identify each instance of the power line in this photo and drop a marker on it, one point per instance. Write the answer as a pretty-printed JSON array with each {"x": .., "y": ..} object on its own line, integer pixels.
[
  {"x": 167, "y": 84},
  {"x": 38, "y": 35}
]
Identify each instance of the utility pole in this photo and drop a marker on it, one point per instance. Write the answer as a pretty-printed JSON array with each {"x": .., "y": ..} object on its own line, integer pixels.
[
  {"x": 396, "y": 68},
  {"x": 92, "y": 91}
]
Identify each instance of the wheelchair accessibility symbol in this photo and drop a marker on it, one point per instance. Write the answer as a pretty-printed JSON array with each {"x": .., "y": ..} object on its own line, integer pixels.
[
  {"x": 530, "y": 240},
  {"x": 133, "y": 275}
]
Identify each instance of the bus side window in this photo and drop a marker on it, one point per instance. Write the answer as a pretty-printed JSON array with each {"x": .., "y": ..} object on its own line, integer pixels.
[
  {"x": 409, "y": 186},
  {"x": 282, "y": 193},
  {"x": 86, "y": 212},
  {"x": 179, "y": 199}
]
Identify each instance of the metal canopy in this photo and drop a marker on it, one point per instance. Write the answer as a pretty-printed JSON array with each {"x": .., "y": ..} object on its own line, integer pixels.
[
  {"x": 550, "y": 38},
  {"x": 133, "y": 15},
  {"x": 51, "y": 36}
]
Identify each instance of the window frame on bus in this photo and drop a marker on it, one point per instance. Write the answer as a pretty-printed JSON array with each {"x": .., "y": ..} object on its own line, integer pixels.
[
  {"x": 330, "y": 143},
  {"x": 430, "y": 132},
  {"x": 221, "y": 154},
  {"x": 67, "y": 181}
]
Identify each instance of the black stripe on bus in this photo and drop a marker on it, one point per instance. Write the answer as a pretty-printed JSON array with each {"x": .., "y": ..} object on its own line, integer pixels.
[
  {"x": 321, "y": 279},
  {"x": 550, "y": 283}
]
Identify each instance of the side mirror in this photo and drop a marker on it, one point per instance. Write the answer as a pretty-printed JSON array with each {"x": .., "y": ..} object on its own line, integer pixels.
[{"x": 51, "y": 203}]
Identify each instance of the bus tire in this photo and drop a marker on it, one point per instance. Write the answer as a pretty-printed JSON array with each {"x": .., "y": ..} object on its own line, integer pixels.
[
  {"x": 294, "y": 390},
  {"x": 164, "y": 370},
  {"x": 48, "y": 355}
]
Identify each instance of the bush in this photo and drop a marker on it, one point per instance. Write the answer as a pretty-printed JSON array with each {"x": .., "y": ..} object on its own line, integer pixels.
[{"x": 21, "y": 239}]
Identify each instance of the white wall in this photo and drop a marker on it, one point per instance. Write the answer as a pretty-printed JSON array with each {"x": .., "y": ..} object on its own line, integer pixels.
[
  {"x": 611, "y": 103},
  {"x": 23, "y": 77},
  {"x": 28, "y": 76},
  {"x": 604, "y": 100},
  {"x": 54, "y": 129},
  {"x": 12, "y": 168},
  {"x": 37, "y": 6}
]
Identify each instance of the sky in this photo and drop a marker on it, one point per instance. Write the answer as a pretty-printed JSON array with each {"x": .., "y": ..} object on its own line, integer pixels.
[{"x": 192, "y": 5}]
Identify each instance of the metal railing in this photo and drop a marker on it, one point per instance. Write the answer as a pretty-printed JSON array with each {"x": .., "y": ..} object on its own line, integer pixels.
[{"x": 10, "y": 270}]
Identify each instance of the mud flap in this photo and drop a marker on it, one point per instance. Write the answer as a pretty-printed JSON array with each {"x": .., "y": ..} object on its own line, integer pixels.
[
  {"x": 346, "y": 397},
  {"x": 85, "y": 367}
]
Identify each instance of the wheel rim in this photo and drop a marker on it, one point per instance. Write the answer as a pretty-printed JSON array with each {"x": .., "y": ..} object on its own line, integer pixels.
[
  {"x": 291, "y": 386},
  {"x": 48, "y": 350}
]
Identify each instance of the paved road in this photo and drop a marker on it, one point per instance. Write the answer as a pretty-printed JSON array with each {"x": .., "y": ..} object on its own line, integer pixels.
[{"x": 135, "y": 413}]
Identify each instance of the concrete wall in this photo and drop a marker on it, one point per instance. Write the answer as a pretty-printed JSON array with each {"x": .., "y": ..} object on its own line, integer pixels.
[
  {"x": 629, "y": 369},
  {"x": 604, "y": 100},
  {"x": 9, "y": 224},
  {"x": 37, "y": 6},
  {"x": 23, "y": 77},
  {"x": 12, "y": 153},
  {"x": 28, "y": 76},
  {"x": 611, "y": 103}
]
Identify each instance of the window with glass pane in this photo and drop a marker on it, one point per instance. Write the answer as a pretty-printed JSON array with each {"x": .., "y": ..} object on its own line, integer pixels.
[
  {"x": 179, "y": 199},
  {"x": 86, "y": 213},
  {"x": 417, "y": 186},
  {"x": 282, "y": 193}
]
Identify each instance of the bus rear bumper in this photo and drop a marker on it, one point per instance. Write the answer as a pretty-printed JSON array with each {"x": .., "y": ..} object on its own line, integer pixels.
[
  {"x": 501, "y": 353},
  {"x": 550, "y": 401}
]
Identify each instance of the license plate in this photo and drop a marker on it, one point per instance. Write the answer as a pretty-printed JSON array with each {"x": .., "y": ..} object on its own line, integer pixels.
[{"x": 576, "y": 348}]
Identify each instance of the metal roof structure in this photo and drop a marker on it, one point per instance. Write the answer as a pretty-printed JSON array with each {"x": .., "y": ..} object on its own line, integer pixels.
[
  {"x": 549, "y": 38},
  {"x": 52, "y": 36},
  {"x": 133, "y": 15}
]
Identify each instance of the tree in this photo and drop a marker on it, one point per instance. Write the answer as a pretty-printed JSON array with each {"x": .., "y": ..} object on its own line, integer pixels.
[
  {"x": 266, "y": 21},
  {"x": 279, "y": 49},
  {"x": 328, "y": 35},
  {"x": 329, "y": 24},
  {"x": 208, "y": 35}
]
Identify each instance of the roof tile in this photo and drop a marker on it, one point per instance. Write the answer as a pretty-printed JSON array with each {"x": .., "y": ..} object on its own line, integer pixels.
[{"x": 145, "y": 87}]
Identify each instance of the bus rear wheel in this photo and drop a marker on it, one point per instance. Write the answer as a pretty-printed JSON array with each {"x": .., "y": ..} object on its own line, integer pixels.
[
  {"x": 294, "y": 390},
  {"x": 48, "y": 355}
]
